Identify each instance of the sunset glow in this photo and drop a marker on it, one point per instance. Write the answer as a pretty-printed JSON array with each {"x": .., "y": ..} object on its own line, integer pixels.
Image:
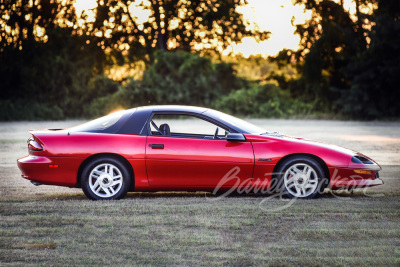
[
  {"x": 82, "y": 5},
  {"x": 274, "y": 16}
]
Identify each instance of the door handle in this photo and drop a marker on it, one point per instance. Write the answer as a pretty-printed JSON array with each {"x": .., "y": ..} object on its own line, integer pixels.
[{"x": 157, "y": 146}]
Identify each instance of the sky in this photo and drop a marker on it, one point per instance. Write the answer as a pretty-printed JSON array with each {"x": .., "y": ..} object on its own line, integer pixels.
[
  {"x": 274, "y": 16},
  {"x": 270, "y": 15}
]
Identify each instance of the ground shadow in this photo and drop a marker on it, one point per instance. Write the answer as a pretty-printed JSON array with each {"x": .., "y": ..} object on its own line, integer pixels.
[{"x": 328, "y": 194}]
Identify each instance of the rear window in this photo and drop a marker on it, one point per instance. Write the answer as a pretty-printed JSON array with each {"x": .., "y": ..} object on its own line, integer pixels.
[{"x": 102, "y": 124}]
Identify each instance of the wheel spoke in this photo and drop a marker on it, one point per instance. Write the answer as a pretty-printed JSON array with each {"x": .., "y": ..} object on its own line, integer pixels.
[
  {"x": 290, "y": 180},
  {"x": 115, "y": 182},
  {"x": 314, "y": 181},
  {"x": 297, "y": 190},
  {"x": 309, "y": 186},
  {"x": 308, "y": 173},
  {"x": 97, "y": 172},
  {"x": 296, "y": 169},
  {"x": 106, "y": 191},
  {"x": 111, "y": 171},
  {"x": 96, "y": 184}
]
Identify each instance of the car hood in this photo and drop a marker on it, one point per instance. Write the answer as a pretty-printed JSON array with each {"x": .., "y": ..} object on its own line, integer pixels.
[
  {"x": 322, "y": 144},
  {"x": 279, "y": 145},
  {"x": 301, "y": 142}
]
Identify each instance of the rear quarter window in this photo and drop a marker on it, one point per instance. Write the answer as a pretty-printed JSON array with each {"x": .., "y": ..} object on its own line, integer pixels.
[{"x": 106, "y": 124}]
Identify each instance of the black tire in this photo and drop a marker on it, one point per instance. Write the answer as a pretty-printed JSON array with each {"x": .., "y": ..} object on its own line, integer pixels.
[
  {"x": 105, "y": 172},
  {"x": 308, "y": 182}
]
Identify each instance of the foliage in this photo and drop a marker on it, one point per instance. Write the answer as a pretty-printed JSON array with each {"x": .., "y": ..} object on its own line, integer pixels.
[
  {"x": 21, "y": 109},
  {"x": 253, "y": 68},
  {"x": 99, "y": 97},
  {"x": 265, "y": 101},
  {"x": 45, "y": 65},
  {"x": 23, "y": 20},
  {"x": 200, "y": 25},
  {"x": 53, "y": 67},
  {"x": 176, "y": 78},
  {"x": 374, "y": 90},
  {"x": 189, "y": 79},
  {"x": 347, "y": 66},
  {"x": 328, "y": 42},
  {"x": 51, "y": 75}
]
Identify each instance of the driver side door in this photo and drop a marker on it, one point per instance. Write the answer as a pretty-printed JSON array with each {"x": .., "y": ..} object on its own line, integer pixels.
[{"x": 190, "y": 154}]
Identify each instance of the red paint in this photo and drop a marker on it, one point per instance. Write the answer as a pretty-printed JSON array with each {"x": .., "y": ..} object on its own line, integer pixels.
[
  {"x": 193, "y": 162},
  {"x": 183, "y": 163}
]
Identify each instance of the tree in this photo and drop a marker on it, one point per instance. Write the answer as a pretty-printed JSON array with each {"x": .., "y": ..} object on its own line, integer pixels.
[
  {"x": 329, "y": 41},
  {"x": 25, "y": 20},
  {"x": 206, "y": 25},
  {"x": 374, "y": 91},
  {"x": 45, "y": 65},
  {"x": 349, "y": 65}
]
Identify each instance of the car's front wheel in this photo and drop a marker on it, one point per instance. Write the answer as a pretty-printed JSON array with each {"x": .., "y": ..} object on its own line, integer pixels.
[
  {"x": 105, "y": 179},
  {"x": 301, "y": 177}
]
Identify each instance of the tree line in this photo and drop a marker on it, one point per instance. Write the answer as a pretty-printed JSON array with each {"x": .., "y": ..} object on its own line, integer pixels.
[{"x": 54, "y": 63}]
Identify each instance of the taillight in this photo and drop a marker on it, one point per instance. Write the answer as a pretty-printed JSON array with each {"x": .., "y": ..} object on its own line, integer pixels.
[{"x": 33, "y": 145}]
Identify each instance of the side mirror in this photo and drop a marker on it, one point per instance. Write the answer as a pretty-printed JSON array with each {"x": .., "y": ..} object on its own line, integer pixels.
[{"x": 235, "y": 137}]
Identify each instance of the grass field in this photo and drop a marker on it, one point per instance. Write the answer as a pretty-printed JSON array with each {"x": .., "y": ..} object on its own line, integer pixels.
[{"x": 50, "y": 225}]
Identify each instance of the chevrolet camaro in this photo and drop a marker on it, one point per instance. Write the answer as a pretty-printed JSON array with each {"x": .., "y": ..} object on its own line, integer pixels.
[{"x": 184, "y": 148}]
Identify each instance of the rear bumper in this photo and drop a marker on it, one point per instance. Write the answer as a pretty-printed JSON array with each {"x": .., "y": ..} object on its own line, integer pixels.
[{"x": 50, "y": 170}]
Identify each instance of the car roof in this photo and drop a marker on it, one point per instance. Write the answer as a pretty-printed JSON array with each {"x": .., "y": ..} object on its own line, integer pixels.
[
  {"x": 134, "y": 121},
  {"x": 177, "y": 108}
]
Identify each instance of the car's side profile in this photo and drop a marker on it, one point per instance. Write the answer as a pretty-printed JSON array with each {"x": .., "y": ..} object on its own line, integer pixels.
[{"x": 172, "y": 148}]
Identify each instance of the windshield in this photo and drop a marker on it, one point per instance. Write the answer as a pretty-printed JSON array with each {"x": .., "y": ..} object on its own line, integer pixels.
[
  {"x": 238, "y": 123},
  {"x": 100, "y": 124}
]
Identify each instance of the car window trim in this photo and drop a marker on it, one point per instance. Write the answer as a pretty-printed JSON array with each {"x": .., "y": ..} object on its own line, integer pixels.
[{"x": 196, "y": 115}]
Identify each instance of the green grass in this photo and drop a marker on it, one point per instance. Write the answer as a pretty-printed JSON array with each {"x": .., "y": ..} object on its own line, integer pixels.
[{"x": 188, "y": 229}]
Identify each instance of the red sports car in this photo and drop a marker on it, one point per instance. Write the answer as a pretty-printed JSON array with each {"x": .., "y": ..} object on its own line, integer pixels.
[{"x": 183, "y": 148}]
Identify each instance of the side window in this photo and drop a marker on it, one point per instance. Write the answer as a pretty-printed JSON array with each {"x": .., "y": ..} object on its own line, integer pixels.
[{"x": 185, "y": 126}]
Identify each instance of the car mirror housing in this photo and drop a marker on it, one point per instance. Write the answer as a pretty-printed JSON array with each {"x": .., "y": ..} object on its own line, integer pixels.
[{"x": 235, "y": 137}]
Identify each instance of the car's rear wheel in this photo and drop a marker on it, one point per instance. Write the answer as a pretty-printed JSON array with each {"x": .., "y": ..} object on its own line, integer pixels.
[
  {"x": 301, "y": 177},
  {"x": 105, "y": 179}
]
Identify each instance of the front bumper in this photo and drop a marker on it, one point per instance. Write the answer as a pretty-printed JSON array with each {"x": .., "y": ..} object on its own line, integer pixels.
[
  {"x": 352, "y": 184},
  {"x": 61, "y": 171},
  {"x": 348, "y": 178}
]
